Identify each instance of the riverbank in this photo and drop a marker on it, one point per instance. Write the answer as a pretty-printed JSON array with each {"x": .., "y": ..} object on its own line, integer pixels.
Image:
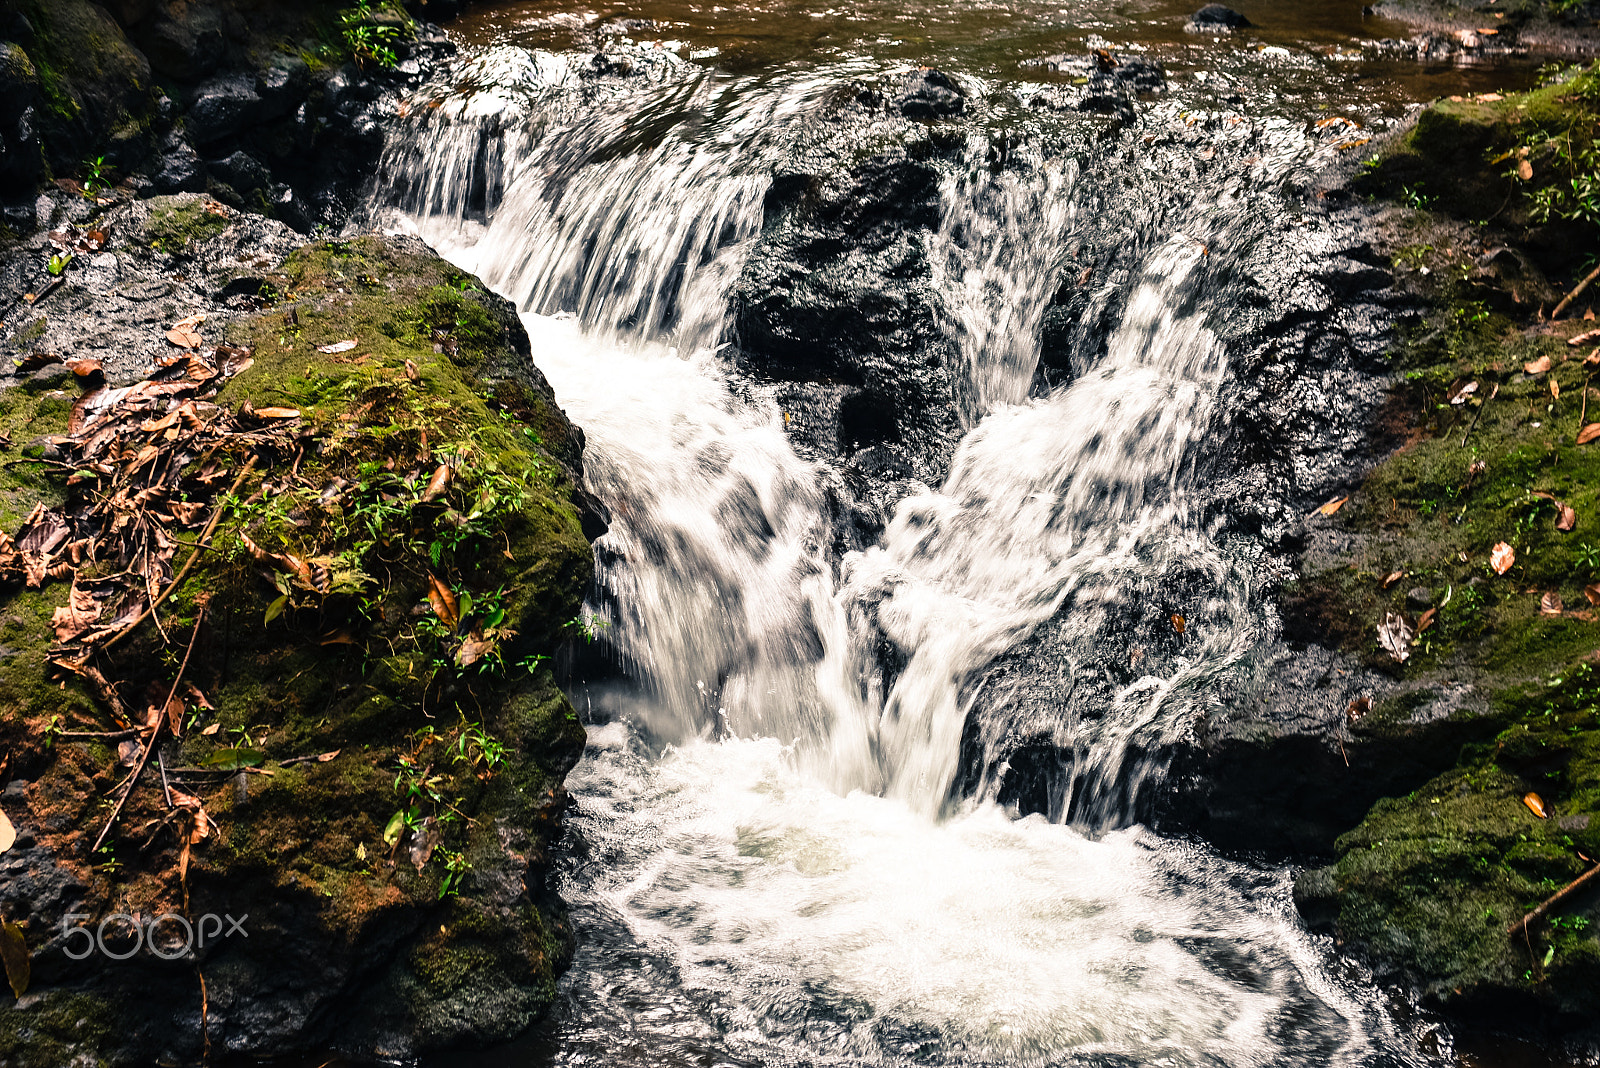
[
  {"x": 1456, "y": 581},
  {"x": 290, "y": 532}
]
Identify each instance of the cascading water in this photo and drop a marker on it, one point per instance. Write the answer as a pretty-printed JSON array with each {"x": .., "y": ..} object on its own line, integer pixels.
[{"x": 757, "y": 861}]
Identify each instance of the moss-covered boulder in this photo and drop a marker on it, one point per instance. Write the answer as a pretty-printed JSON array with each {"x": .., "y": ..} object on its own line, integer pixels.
[{"x": 358, "y": 751}]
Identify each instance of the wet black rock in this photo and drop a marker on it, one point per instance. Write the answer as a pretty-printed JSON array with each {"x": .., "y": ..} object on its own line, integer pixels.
[
  {"x": 1215, "y": 18},
  {"x": 930, "y": 94},
  {"x": 243, "y": 172},
  {"x": 180, "y": 168},
  {"x": 21, "y": 163},
  {"x": 222, "y": 108}
]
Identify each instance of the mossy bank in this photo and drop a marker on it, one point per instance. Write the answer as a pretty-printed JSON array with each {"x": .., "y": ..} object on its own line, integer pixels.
[
  {"x": 368, "y": 724},
  {"x": 1460, "y": 574}
]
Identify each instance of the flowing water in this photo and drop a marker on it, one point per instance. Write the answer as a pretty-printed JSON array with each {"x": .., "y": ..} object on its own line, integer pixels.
[{"x": 774, "y": 855}]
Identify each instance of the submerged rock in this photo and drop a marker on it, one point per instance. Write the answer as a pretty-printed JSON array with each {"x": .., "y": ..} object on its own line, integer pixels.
[{"x": 1215, "y": 18}]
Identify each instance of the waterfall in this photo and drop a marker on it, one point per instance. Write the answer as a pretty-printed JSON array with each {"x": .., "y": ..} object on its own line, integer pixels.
[
  {"x": 764, "y": 859},
  {"x": 1049, "y": 508}
]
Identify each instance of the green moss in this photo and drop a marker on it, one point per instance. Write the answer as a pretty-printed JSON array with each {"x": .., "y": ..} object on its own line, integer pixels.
[
  {"x": 57, "y": 1029},
  {"x": 178, "y": 221}
]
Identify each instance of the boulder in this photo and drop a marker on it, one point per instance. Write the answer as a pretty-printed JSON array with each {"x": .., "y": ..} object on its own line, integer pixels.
[
  {"x": 1216, "y": 19},
  {"x": 930, "y": 94},
  {"x": 222, "y": 108}
]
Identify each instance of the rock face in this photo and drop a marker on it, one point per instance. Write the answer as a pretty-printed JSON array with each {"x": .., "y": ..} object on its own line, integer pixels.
[
  {"x": 201, "y": 97},
  {"x": 386, "y": 846}
]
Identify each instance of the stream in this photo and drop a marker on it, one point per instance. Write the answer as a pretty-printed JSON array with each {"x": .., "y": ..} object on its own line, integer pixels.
[{"x": 795, "y": 836}]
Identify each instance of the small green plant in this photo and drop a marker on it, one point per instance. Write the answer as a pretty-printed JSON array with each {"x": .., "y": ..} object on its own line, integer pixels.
[
  {"x": 1415, "y": 198},
  {"x": 589, "y": 625},
  {"x": 52, "y": 731},
  {"x": 370, "y": 42},
  {"x": 456, "y": 867},
  {"x": 96, "y": 177},
  {"x": 58, "y": 264}
]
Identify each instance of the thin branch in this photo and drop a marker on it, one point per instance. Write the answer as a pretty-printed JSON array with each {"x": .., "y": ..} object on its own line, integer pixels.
[
  {"x": 150, "y": 747},
  {"x": 205, "y": 536},
  {"x": 1577, "y": 291},
  {"x": 1493, "y": 393},
  {"x": 1526, "y": 923}
]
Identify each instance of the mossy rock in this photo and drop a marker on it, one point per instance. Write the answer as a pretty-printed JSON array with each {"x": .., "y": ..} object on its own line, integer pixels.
[{"x": 401, "y": 795}]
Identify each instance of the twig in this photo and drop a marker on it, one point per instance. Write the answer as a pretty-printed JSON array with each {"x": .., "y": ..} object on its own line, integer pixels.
[
  {"x": 1583, "y": 411},
  {"x": 205, "y": 535},
  {"x": 131, "y": 732},
  {"x": 166, "y": 790},
  {"x": 1526, "y": 923},
  {"x": 1493, "y": 393},
  {"x": 1577, "y": 291},
  {"x": 155, "y": 733}
]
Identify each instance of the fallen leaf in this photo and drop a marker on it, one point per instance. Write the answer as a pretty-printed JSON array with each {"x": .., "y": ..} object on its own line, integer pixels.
[
  {"x": 1555, "y": 388},
  {"x": 438, "y": 483},
  {"x": 1583, "y": 338},
  {"x": 444, "y": 602},
  {"x": 1460, "y": 396},
  {"x": 361, "y": 851},
  {"x": 277, "y": 413},
  {"x": 1179, "y": 624},
  {"x": 1589, "y": 433},
  {"x": 323, "y": 758},
  {"x": 1525, "y": 170},
  {"x": 1568, "y": 519},
  {"x": 1394, "y": 576},
  {"x": 412, "y": 372},
  {"x": 14, "y": 951},
  {"x": 189, "y": 322},
  {"x": 1550, "y": 604},
  {"x": 1537, "y": 367},
  {"x": 1332, "y": 506},
  {"x": 1426, "y": 619},
  {"x": 1592, "y": 591},
  {"x": 84, "y": 368},
  {"x": 214, "y": 728},
  {"x": 35, "y": 360},
  {"x": 338, "y": 637},
  {"x": 1535, "y": 805},
  {"x": 1358, "y": 708},
  {"x": 1394, "y": 635},
  {"x": 8, "y": 833},
  {"x": 396, "y": 827},
  {"x": 1501, "y": 557},
  {"x": 476, "y": 647},
  {"x": 184, "y": 339},
  {"x": 337, "y": 346},
  {"x": 76, "y": 616},
  {"x": 234, "y": 758},
  {"x": 423, "y": 841}
]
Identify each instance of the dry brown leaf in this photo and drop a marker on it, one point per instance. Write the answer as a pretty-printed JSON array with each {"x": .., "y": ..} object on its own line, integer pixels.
[
  {"x": 323, "y": 758},
  {"x": 84, "y": 368},
  {"x": 212, "y": 729},
  {"x": 412, "y": 372},
  {"x": 1393, "y": 577},
  {"x": 1535, "y": 805},
  {"x": 1592, "y": 591},
  {"x": 1550, "y": 604},
  {"x": 277, "y": 413},
  {"x": 1332, "y": 506},
  {"x": 438, "y": 483},
  {"x": 184, "y": 339},
  {"x": 1589, "y": 433},
  {"x": 1179, "y": 624},
  {"x": 1426, "y": 619},
  {"x": 1461, "y": 395},
  {"x": 1583, "y": 338},
  {"x": 1555, "y": 388},
  {"x": 1358, "y": 708},
  {"x": 189, "y": 322},
  {"x": 1502, "y": 557},
  {"x": 338, "y": 637},
  {"x": 1525, "y": 170},
  {"x": 338, "y": 346},
  {"x": 1568, "y": 519},
  {"x": 8, "y": 833},
  {"x": 1537, "y": 367},
  {"x": 444, "y": 602},
  {"x": 476, "y": 647},
  {"x": 76, "y": 616}
]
